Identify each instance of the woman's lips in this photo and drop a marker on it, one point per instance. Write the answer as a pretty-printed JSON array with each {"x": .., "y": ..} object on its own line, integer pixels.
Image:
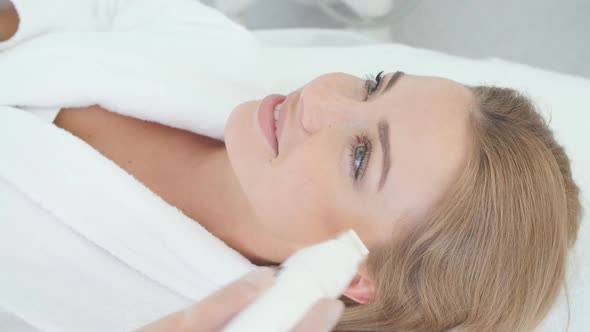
[{"x": 266, "y": 119}]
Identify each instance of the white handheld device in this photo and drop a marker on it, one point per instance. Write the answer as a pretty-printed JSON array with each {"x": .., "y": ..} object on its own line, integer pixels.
[{"x": 323, "y": 270}]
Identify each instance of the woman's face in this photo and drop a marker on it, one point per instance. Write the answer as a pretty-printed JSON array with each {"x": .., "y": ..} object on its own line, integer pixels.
[{"x": 348, "y": 160}]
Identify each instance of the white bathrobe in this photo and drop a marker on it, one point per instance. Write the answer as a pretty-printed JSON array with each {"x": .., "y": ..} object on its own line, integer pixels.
[{"x": 84, "y": 246}]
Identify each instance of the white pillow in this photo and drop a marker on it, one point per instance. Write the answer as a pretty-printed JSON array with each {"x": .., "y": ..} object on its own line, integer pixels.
[{"x": 563, "y": 98}]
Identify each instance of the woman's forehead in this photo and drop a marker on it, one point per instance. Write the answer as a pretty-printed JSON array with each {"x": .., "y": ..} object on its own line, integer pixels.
[
  {"x": 427, "y": 91},
  {"x": 429, "y": 132}
]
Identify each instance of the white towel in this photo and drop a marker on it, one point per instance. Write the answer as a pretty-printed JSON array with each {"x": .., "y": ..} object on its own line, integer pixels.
[{"x": 166, "y": 61}]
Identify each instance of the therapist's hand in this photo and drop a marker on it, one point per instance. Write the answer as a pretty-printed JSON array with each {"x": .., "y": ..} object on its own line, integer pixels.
[{"x": 215, "y": 311}]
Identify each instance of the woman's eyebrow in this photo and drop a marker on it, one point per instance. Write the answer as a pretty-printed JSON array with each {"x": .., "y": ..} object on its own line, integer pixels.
[
  {"x": 392, "y": 81},
  {"x": 383, "y": 130}
]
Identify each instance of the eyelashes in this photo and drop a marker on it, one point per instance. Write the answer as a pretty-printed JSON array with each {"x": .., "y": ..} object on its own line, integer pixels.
[
  {"x": 359, "y": 151},
  {"x": 372, "y": 84},
  {"x": 360, "y": 148}
]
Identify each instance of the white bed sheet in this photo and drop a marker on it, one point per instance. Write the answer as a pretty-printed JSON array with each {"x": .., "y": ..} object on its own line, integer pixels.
[{"x": 560, "y": 97}]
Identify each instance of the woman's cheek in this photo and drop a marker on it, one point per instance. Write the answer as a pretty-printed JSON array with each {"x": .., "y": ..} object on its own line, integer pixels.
[
  {"x": 313, "y": 207},
  {"x": 305, "y": 210},
  {"x": 306, "y": 189}
]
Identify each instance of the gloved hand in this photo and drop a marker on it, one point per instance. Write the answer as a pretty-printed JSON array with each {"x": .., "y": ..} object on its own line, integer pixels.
[{"x": 215, "y": 311}]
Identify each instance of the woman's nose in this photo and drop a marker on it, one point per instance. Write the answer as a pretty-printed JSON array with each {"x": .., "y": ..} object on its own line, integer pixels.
[{"x": 319, "y": 109}]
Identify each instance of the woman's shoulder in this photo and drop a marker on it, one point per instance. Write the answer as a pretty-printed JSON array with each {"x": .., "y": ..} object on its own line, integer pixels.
[
  {"x": 158, "y": 156},
  {"x": 116, "y": 135}
]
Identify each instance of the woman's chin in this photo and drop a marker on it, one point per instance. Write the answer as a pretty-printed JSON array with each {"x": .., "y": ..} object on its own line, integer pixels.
[
  {"x": 239, "y": 117},
  {"x": 244, "y": 144}
]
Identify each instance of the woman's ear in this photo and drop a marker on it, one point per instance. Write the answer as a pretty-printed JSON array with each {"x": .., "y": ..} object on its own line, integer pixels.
[{"x": 361, "y": 288}]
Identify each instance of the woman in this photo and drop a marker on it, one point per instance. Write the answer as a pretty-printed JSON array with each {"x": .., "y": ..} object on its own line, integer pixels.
[{"x": 461, "y": 193}]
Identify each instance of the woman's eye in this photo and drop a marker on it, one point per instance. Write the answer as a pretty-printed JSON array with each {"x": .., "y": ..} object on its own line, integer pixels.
[
  {"x": 372, "y": 84},
  {"x": 360, "y": 150}
]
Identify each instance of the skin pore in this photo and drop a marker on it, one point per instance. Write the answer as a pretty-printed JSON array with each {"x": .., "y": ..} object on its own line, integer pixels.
[{"x": 268, "y": 206}]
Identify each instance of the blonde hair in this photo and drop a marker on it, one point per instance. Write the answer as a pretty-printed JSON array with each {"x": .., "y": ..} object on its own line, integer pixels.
[{"x": 491, "y": 256}]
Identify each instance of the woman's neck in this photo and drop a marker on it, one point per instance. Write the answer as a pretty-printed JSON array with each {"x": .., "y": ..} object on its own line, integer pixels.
[
  {"x": 189, "y": 171},
  {"x": 225, "y": 211}
]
